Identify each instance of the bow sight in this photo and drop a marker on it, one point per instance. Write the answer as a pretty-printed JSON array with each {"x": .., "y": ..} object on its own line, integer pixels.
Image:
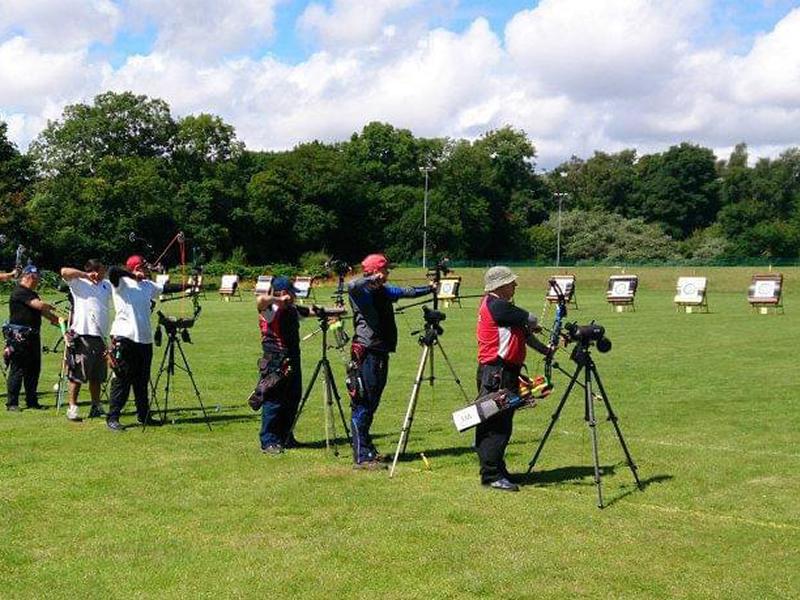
[
  {"x": 337, "y": 266},
  {"x": 340, "y": 268},
  {"x": 434, "y": 274}
]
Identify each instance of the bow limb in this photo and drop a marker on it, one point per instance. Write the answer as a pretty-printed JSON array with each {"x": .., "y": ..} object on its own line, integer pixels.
[{"x": 555, "y": 332}]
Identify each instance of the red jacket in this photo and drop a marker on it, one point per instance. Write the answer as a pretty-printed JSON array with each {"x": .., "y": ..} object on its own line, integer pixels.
[{"x": 502, "y": 331}]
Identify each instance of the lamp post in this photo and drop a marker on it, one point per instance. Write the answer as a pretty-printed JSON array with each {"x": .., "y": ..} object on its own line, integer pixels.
[
  {"x": 560, "y": 196},
  {"x": 425, "y": 169}
]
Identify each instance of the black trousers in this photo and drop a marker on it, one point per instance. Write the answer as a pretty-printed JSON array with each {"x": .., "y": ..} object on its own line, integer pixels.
[
  {"x": 133, "y": 372},
  {"x": 492, "y": 436},
  {"x": 25, "y": 367}
]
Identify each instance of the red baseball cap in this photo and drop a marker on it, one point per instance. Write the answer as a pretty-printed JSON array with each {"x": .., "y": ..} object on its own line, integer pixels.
[
  {"x": 134, "y": 262},
  {"x": 375, "y": 262}
]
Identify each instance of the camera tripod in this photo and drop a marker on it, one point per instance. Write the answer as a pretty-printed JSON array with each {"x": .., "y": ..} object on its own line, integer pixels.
[
  {"x": 428, "y": 340},
  {"x": 329, "y": 391},
  {"x": 582, "y": 356},
  {"x": 176, "y": 331}
]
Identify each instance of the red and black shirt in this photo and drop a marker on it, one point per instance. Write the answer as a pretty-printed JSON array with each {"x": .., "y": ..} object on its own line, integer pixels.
[
  {"x": 502, "y": 331},
  {"x": 280, "y": 328}
]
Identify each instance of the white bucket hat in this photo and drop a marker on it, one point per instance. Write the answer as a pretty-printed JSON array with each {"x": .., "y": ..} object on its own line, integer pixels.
[{"x": 497, "y": 277}]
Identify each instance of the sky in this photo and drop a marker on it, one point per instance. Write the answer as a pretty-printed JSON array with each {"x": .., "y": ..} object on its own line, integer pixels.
[{"x": 576, "y": 75}]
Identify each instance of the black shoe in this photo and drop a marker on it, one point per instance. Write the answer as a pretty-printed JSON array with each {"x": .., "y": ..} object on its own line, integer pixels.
[
  {"x": 273, "y": 449},
  {"x": 35, "y": 406},
  {"x": 504, "y": 485},
  {"x": 12, "y": 407},
  {"x": 150, "y": 422},
  {"x": 291, "y": 442},
  {"x": 114, "y": 425},
  {"x": 96, "y": 411}
]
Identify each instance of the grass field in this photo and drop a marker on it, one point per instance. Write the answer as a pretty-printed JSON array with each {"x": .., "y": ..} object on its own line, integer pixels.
[{"x": 709, "y": 406}]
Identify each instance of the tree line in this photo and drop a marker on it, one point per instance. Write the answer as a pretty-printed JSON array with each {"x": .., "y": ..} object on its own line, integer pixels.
[{"x": 125, "y": 164}]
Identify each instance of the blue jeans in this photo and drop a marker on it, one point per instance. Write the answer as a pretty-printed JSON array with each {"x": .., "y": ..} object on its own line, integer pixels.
[
  {"x": 280, "y": 408},
  {"x": 373, "y": 372}
]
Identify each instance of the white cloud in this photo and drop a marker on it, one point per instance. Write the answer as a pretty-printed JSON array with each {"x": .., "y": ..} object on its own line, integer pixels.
[
  {"x": 60, "y": 24},
  {"x": 576, "y": 75},
  {"x": 29, "y": 77},
  {"x": 205, "y": 29},
  {"x": 594, "y": 50},
  {"x": 350, "y": 22},
  {"x": 770, "y": 73}
]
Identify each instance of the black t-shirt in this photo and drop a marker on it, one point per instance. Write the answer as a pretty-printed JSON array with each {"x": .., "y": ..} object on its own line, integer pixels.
[{"x": 19, "y": 311}]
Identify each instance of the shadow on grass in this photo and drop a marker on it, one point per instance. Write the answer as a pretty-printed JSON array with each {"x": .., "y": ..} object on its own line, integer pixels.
[
  {"x": 645, "y": 483},
  {"x": 434, "y": 452},
  {"x": 584, "y": 476}
]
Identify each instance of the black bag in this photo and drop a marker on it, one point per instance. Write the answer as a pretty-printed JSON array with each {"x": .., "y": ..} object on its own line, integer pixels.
[
  {"x": 17, "y": 338},
  {"x": 274, "y": 370}
]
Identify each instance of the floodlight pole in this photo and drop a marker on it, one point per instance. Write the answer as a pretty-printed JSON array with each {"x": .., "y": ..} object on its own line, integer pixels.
[
  {"x": 560, "y": 196},
  {"x": 425, "y": 169}
]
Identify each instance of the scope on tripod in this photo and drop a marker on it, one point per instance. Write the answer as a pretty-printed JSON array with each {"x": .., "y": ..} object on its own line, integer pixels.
[
  {"x": 433, "y": 317},
  {"x": 586, "y": 334},
  {"x": 173, "y": 325},
  {"x": 325, "y": 313}
]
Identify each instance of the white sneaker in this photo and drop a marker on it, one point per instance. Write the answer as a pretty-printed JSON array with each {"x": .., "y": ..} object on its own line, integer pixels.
[{"x": 72, "y": 413}]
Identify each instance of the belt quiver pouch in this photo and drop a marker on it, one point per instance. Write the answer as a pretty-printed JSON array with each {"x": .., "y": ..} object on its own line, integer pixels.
[
  {"x": 353, "y": 382},
  {"x": 17, "y": 338},
  {"x": 117, "y": 358},
  {"x": 273, "y": 371}
]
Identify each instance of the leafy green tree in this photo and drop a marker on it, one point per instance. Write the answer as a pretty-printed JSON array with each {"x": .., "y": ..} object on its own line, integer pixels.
[
  {"x": 15, "y": 168},
  {"x": 74, "y": 217},
  {"x": 600, "y": 236},
  {"x": 16, "y": 177},
  {"x": 201, "y": 142},
  {"x": 678, "y": 189},
  {"x": 385, "y": 155},
  {"x": 115, "y": 124},
  {"x": 603, "y": 182}
]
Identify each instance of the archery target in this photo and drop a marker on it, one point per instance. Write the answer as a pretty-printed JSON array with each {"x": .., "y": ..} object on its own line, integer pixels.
[{"x": 765, "y": 289}]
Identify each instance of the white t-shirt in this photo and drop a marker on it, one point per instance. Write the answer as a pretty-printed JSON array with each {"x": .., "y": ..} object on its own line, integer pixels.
[
  {"x": 132, "y": 304},
  {"x": 91, "y": 307}
]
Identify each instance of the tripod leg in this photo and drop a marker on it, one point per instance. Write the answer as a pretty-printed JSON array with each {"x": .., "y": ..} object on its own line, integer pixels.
[
  {"x": 154, "y": 388},
  {"x": 554, "y": 418},
  {"x": 592, "y": 421},
  {"x": 412, "y": 405},
  {"x": 334, "y": 396},
  {"x": 339, "y": 406},
  {"x": 327, "y": 406},
  {"x": 305, "y": 397},
  {"x": 194, "y": 385},
  {"x": 170, "y": 373},
  {"x": 432, "y": 375},
  {"x": 613, "y": 418},
  {"x": 452, "y": 370}
]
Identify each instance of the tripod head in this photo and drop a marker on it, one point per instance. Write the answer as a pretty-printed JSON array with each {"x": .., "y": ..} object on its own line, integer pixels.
[
  {"x": 326, "y": 314},
  {"x": 432, "y": 329},
  {"x": 174, "y": 326}
]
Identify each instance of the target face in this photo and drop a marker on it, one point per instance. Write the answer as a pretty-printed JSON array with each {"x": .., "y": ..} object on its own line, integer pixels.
[
  {"x": 621, "y": 288},
  {"x": 765, "y": 289}
]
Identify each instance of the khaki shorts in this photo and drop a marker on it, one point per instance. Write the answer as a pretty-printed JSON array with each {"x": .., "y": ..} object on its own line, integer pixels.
[{"x": 89, "y": 359}]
